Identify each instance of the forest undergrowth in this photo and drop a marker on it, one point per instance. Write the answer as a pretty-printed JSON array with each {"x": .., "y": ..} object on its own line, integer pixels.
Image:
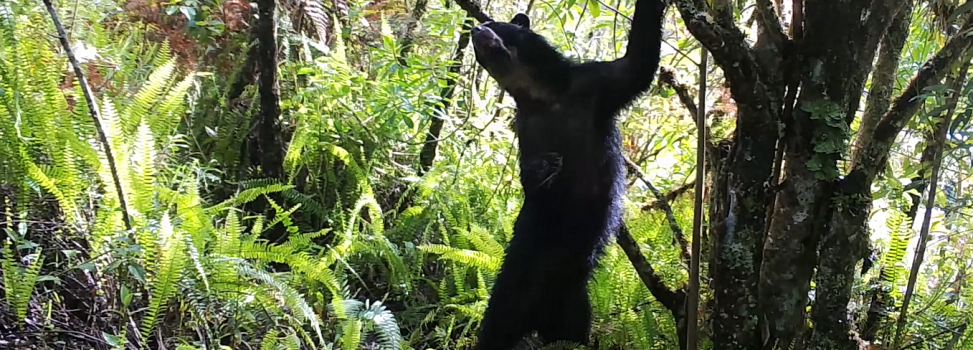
[{"x": 359, "y": 192}]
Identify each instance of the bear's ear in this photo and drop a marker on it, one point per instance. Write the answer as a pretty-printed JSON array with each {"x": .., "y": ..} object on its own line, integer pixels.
[{"x": 521, "y": 20}]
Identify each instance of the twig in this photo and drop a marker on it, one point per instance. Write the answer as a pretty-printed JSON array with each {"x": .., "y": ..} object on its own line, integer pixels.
[
  {"x": 673, "y": 225},
  {"x": 92, "y": 111},
  {"x": 939, "y": 141},
  {"x": 668, "y": 76},
  {"x": 669, "y": 197},
  {"x": 692, "y": 301}
]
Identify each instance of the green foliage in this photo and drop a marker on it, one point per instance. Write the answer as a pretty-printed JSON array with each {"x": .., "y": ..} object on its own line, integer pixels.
[
  {"x": 831, "y": 135},
  {"x": 18, "y": 282},
  {"x": 373, "y": 254}
]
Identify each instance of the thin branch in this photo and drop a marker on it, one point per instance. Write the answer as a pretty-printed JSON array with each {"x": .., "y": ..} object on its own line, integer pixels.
[
  {"x": 670, "y": 217},
  {"x": 792, "y": 71},
  {"x": 668, "y": 76},
  {"x": 669, "y": 196},
  {"x": 692, "y": 342},
  {"x": 905, "y": 106},
  {"x": 939, "y": 143},
  {"x": 429, "y": 148},
  {"x": 92, "y": 111},
  {"x": 474, "y": 10}
]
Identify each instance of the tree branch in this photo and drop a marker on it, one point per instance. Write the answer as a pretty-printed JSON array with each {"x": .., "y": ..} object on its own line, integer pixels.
[
  {"x": 269, "y": 146},
  {"x": 883, "y": 78},
  {"x": 664, "y": 205},
  {"x": 673, "y": 300},
  {"x": 769, "y": 22},
  {"x": 474, "y": 10},
  {"x": 905, "y": 106},
  {"x": 734, "y": 55},
  {"x": 879, "y": 18},
  {"x": 429, "y": 148},
  {"x": 92, "y": 111},
  {"x": 409, "y": 40},
  {"x": 669, "y": 196},
  {"x": 668, "y": 76}
]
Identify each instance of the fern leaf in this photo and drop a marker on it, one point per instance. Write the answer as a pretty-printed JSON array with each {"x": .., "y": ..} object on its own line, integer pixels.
[{"x": 464, "y": 256}]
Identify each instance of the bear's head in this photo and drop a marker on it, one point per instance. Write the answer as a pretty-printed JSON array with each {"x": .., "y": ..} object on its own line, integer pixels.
[{"x": 517, "y": 57}]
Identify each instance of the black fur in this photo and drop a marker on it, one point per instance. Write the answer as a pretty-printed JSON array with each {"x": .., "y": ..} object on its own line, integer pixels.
[{"x": 571, "y": 169}]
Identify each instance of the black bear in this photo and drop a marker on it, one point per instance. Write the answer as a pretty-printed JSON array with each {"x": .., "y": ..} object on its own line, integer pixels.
[{"x": 571, "y": 170}]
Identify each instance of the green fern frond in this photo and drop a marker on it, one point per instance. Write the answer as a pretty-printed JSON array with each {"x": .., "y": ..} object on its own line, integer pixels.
[
  {"x": 464, "y": 256},
  {"x": 483, "y": 241},
  {"x": 247, "y": 196},
  {"x": 310, "y": 205},
  {"x": 169, "y": 113},
  {"x": 350, "y": 334},
  {"x": 384, "y": 322},
  {"x": 269, "y": 341},
  {"x": 289, "y": 296},
  {"x": 19, "y": 283},
  {"x": 474, "y": 310},
  {"x": 167, "y": 274},
  {"x": 144, "y": 175},
  {"x": 561, "y": 345},
  {"x": 291, "y": 342},
  {"x": 44, "y": 176},
  {"x": 197, "y": 261},
  {"x": 900, "y": 233},
  {"x": 145, "y": 100}
]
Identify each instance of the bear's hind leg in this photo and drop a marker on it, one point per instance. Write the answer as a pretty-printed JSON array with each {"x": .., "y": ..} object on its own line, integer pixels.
[
  {"x": 570, "y": 318},
  {"x": 507, "y": 318}
]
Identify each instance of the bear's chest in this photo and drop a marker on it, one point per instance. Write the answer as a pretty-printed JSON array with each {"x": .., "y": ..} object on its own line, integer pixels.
[{"x": 565, "y": 146}]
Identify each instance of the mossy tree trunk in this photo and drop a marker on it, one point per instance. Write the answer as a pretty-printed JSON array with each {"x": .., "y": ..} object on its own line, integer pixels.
[{"x": 763, "y": 259}]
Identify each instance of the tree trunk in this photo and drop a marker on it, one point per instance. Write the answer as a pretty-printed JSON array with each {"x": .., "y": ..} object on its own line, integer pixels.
[
  {"x": 843, "y": 243},
  {"x": 268, "y": 149},
  {"x": 816, "y": 209}
]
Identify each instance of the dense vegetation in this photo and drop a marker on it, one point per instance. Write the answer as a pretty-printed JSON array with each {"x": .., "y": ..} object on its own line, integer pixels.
[{"x": 342, "y": 175}]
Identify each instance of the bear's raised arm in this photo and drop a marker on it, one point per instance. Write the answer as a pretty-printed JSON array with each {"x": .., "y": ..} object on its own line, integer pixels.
[{"x": 630, "y": 76}]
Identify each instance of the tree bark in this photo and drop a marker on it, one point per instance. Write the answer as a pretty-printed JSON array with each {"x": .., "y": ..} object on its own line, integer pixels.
[
  {"x": 884, "y": 76},
  {"x": 845, "y": 240},
  {"x": 268, "y": 149},
  {"x": 737, "y": 220},
  {"x": 836, "y": 43}
]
